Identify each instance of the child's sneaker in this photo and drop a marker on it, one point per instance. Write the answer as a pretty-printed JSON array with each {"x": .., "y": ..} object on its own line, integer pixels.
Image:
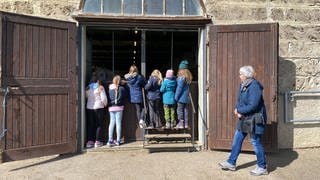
[
  {"x": 142, "y": 124},
  {"x": 90, "y": 144},
  {"x": 110, "y": 143},
  {"x": 168, "y": 125},
  {"x": 180, "y": 125},
  {"x": 186, "y": 125},
  {"x": 98, "y": 144}
]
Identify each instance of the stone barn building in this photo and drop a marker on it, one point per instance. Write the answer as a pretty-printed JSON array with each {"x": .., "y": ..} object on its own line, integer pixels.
[{"x": 49, "y": 49}]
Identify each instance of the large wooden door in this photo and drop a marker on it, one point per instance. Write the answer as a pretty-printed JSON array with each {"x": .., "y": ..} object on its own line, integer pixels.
[
  {"x": 38, "y": 59},
  {"x": 233, "y": 46}
]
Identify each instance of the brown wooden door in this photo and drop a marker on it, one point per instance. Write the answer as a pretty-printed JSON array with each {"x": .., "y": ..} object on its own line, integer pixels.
[
  {"x": 38, "y": 56},
  {"x": 233, "y": 46}
]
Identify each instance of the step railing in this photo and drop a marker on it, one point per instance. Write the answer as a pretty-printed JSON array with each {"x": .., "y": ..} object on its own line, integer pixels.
[{"x": 193, "y": 114}]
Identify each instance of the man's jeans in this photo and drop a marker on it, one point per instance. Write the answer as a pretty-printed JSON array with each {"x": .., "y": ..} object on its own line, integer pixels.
[
  {"x": 115, "y": 119},
  {"x": 255, "y": 140}
]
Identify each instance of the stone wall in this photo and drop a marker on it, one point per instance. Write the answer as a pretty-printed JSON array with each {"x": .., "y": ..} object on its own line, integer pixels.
[
  {"x": 299, "y": 57},
  {"x": 54, "y": 9},
  {"x": 299, "y": 49}
]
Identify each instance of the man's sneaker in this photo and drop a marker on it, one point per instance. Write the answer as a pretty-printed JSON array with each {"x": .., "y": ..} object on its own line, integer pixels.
[
  {"x": 90, "y": 144},
  {"x": 258, "y": 171},
  {"x": 98, "y": 144},
  {"x": 110, "y": 143},
  {"x": 227, "y": 166},
  {"x": 142, "y": 124},
  {"x": 117, "y": 143}
]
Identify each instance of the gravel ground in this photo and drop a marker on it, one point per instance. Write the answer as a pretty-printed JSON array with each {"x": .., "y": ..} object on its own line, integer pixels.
[{"x": 139, "y": 164}]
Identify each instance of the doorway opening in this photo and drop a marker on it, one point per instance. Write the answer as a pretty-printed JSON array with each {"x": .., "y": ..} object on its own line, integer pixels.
[{"x": 112, "y": 51}]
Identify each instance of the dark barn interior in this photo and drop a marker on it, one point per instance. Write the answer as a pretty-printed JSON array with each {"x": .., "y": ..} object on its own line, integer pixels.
[{"x": 116, "y": 50}]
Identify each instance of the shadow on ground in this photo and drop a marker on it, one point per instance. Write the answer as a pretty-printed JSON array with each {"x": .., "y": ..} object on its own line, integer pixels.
[
  {"x": 57, "y": 158},
  {"x": 282, "y": 158}
]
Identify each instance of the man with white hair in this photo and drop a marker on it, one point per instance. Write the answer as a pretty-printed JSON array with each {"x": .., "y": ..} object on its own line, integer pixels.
[{"x": 250, "y": 103}]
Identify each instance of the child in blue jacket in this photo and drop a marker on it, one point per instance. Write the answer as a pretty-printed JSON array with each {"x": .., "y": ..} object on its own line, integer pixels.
[
  {"x": 154, "y": 98},
  {"x": 182, "y": 94},
  {"x": 168, "y": 88},
  {"x": 136, "y": 84}
]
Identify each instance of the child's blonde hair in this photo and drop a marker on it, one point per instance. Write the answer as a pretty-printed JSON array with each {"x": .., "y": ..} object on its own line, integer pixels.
[
  {"x": 133, "y": 69},
  {"x": 157, "y": 74},
  {"x": 116, "y": 80},
  {"x": 185, "y": 73}
]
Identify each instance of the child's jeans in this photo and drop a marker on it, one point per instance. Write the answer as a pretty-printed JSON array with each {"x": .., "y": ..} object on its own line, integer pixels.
[
  {"x": 115, "y": 120},
  {"x": 182, "y": 111}
]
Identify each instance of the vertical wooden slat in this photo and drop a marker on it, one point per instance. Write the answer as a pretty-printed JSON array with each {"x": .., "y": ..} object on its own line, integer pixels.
[
  {"x": 53, "y": 63},
  {"x": 16, "y": 50},
  {"x": 29, "y": 49},
  {"x": 64, "y": 110},
  {"x": 59, "y": 119},
  {"x": 65, "y": 65},
  {"x": 35, "y": 127},
  {"x": 9, "y": 50},
  {"x": 35, "y": 51},
  {"x": 47, "y": 119},
  {"x": 41, "y": 112},
  {"x": 230, "y": 84},
  {"x": 22, "y": 51},
  {"x": 53, "y": 117},
  {"x": 9, "y": 136},
  {"x": 23, "y": 118},
  {"x": 42, "y": 50},
  {"x": 16, "y": 124},
  {"x": 59, "y": 54},
  {"x": 47, "y": 53}
]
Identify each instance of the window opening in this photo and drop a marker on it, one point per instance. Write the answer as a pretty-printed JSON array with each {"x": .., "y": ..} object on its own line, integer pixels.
[
  {"x": 112, "y": 7},
  {"x": 132, "y": 7},
  {"x": 191, "y": 7},
  {"x": 153, "y": 7},
  {"x": 92, "y": 6},
  {"x": 174, "y": 7},
  {"x": 143, "y": 7}
]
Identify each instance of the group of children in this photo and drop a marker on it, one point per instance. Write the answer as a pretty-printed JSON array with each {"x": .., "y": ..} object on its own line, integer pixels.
[
  {"x": 97, "y": 100},
  {"x": 172, "y": 91}
]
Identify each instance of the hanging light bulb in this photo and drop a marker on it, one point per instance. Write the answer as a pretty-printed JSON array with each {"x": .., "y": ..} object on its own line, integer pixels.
[{"x": 135, "y": 43}]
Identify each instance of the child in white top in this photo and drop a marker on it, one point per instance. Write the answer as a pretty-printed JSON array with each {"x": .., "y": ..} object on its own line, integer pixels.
[{"x": 96, "y": 102}]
